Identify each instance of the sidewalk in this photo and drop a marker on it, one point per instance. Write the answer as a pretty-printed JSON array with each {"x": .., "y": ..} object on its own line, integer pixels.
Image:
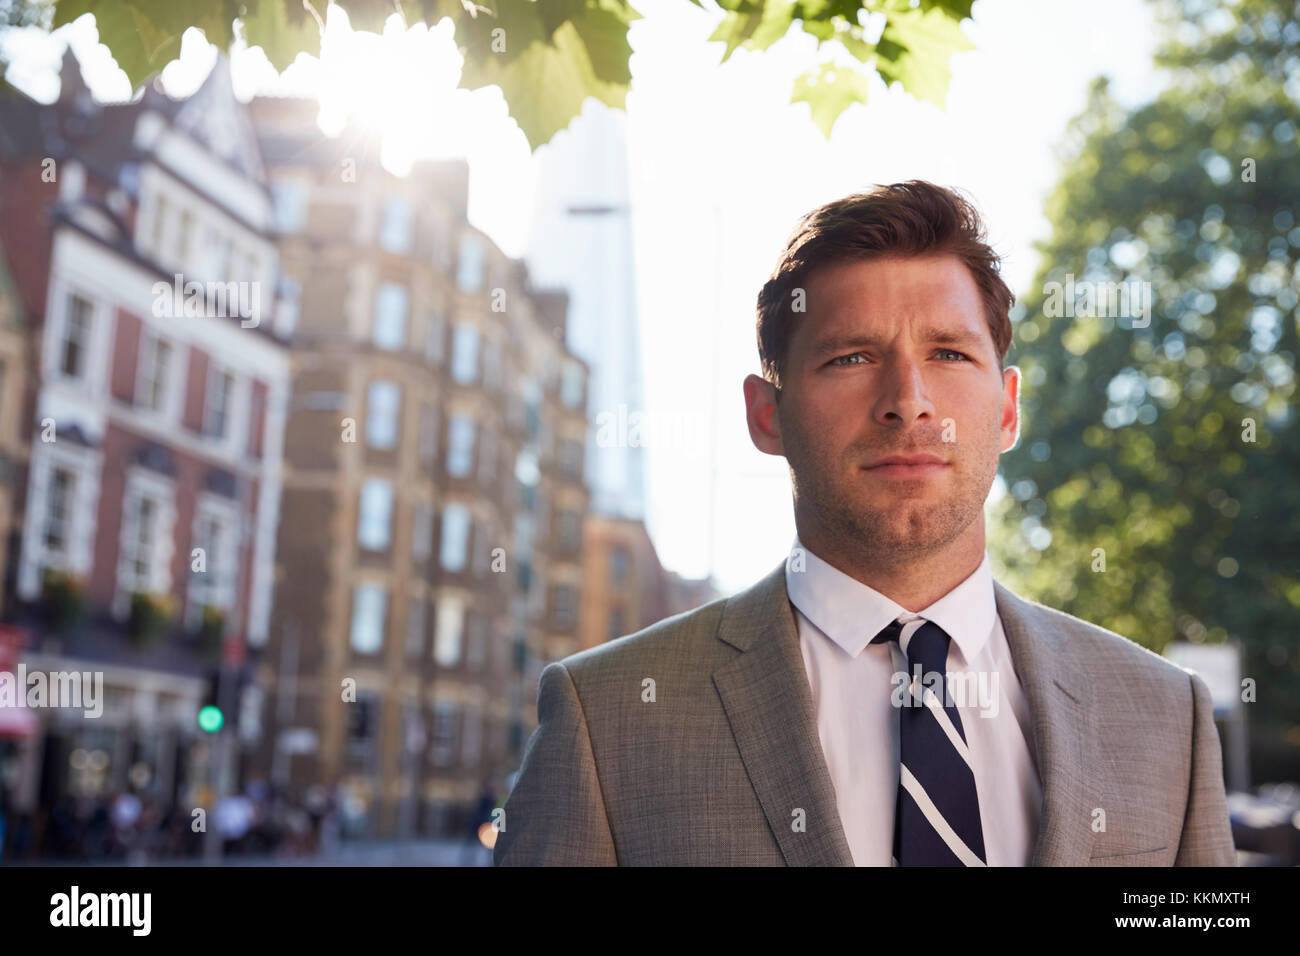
[{"x": 349, "y": 853}]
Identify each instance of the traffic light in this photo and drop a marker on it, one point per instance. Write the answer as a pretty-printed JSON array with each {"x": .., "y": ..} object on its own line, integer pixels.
[{"x": 211, "y": 717}]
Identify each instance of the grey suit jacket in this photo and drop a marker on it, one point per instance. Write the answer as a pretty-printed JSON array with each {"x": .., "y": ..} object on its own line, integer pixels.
[{"x": 715, "y": 769}]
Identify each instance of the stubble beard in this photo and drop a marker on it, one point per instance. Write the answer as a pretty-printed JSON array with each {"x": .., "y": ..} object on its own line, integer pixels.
[{"x": 864, "y": 524}]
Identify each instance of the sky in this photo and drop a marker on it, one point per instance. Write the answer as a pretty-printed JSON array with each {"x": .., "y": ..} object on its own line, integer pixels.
[{"x": 722, "y": 167}]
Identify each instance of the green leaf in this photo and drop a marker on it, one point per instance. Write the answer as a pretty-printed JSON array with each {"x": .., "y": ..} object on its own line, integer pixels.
[
  {"x": 957, "y": 9},
  {"x": 546, "y": 84},
  {"x": 282, "y": 30},
  {"x": 368, "y": 15},
  {"x": 754, "y": 29},
  {"x": 829, "y": 90},
  {"x": 549, "y": 55},
  {"x": 145, "y": 35},
  {"x": 138, "y": 45},
  {"x": 914, "y": 49},
  {"x": 734, "y": 29},
  {"x": 604, "y": 33}
]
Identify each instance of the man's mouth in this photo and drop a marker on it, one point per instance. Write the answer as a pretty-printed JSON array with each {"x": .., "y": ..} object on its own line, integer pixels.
[{"x": 907, "y": 466}]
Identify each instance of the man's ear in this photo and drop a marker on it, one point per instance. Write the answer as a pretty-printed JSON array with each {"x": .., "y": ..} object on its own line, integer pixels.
[
  {"x": 1010, "y": 408},
  {"x": 762, "y": 415}
]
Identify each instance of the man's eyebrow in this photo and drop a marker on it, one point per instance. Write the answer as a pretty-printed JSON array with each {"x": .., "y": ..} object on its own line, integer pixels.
[{"x": 840, "y": 344}]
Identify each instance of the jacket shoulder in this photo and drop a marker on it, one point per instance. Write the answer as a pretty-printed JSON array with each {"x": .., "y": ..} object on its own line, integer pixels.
[
  {"x": 671, "y": 638},
  {"x": 1106, "y": 653}
]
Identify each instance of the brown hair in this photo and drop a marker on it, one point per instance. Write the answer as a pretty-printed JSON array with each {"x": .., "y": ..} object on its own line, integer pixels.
[{"x": 903, "y": 219}]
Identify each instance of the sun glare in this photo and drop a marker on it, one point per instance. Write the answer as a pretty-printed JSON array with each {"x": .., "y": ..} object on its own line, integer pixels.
[{"x": 399, "y": 85}]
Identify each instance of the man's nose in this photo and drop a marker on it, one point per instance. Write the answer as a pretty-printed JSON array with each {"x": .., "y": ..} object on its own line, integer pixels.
[{"x": 902, "y": 398}]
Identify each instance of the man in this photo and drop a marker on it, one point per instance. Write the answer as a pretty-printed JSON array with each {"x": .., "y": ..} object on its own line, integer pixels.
[{"x": 877, "y": 699}]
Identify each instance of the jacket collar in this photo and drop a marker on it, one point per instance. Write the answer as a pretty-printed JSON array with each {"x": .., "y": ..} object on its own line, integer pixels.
[{"x": 764, "y": 691}]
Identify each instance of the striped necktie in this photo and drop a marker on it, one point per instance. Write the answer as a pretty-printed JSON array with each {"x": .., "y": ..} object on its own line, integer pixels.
[{"x": 937, "y": 817}]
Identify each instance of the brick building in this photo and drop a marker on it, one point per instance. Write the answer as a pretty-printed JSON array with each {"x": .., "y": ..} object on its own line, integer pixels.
[
  {"x": 152, "y": 415},
  {"x": 625, "y": 588},
  {"x": 430, "y": 541}
]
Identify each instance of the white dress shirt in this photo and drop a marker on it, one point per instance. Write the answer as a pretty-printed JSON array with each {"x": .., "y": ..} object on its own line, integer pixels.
[{"x": 852, "y": 684}]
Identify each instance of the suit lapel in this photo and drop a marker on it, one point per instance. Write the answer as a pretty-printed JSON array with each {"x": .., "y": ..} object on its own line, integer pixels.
[
  {"x": 764, "y": 691},
  {"x": 765, "y": 694},
  {"x": 1061, "y": 702}
]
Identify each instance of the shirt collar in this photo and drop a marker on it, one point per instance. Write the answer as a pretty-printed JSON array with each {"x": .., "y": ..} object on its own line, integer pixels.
[{"x": 850, "y": 613}]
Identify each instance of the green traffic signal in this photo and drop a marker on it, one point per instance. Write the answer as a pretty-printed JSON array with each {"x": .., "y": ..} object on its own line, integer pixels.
[{"x": 211, "y": 719}]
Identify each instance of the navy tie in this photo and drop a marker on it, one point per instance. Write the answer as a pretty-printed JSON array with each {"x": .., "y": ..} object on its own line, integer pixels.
[{"x": 937, "y": 816}]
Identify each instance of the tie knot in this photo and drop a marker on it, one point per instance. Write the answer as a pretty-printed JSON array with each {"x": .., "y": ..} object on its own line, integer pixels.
[
  {"x": 927, "y": 647},
  {"x": 889, "y": 633}
]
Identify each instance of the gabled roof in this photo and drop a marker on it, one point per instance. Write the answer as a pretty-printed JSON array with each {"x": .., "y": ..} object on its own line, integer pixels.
[{"x": 102, "y": 135}]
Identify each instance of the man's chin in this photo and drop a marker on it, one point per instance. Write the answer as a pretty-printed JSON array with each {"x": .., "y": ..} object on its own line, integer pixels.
[{"x": 902, "y": 536}]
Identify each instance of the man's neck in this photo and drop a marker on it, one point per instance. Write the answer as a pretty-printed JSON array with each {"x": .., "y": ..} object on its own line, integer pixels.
[{"x": 915, "y": 582}]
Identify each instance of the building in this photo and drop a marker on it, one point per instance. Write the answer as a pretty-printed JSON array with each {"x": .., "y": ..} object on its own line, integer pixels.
[
  {"x": 15, "y": 360},
  {"x": 581, "y": 239},
  {"x": 138, "y": 240},
  {"x": 625, "y": 587},
  {"x": 430, "y": 544}
]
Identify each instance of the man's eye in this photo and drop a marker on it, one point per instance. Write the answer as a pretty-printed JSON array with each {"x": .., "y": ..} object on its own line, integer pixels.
[
  {"x": 838, "y": 360},
  {"x": 960, "y": 355}
]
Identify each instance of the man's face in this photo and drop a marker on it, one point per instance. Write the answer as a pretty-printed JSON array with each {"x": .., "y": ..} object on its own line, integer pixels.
[{"x": 893, "y": 357}]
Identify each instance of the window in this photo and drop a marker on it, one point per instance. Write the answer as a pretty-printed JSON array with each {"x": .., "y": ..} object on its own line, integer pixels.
[
  {"x": 376, "y": 514},
  {"x": 76, "y": 337},
  {"x": 383, "y": 406},
  {"x": 562, "y": 605},
  {"x": 368, "y": 608},
  {"x": 422, "y": 533},
  {"x": 571, "y": 386},
  {"x": 362, "y": 725},
  {"x": 159, "y": 224},
  {"x": 185, "y": 239},
  {"x": 444, "y": 733},
  {"x": 390, "y": 316},
  {"x": 567, "y": 530},
  {"x": 290, "y": 205},
  {"x": 469, "y": 274},
  {"x": 214, "y": 586},
  {"x": 570, "y": 454},
  {"x": 435, "y": 330},
  {"x": 460, "y": 446},
  {"x": 140, "y": 562},
  {"x": 287, "y": 306},
  {"x": 473, "y": 736},
  {"x": 618, "y": 564},
  {"x": 451, "y": 623},
  {"x": 58, "y": 509},
  {"x": 415, "y": 620},
  {"x": 531, "y": 393},
  {"x": 617, "y": 623},
  {"x": 216, "y": 411},
  {"x": 464, "y": 353},
  {"x": 248, "y": 268},
  {"x": 395, "y": 229},
  {"x": 219, "y": 254},
  {"x": 428, "y": 433},
  {"x": 155, "y": 372},
  {"x": 455, "y": 537}
]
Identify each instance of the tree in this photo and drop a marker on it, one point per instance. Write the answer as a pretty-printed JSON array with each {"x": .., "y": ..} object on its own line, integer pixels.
[
  {"x": 548, "y": 56},
  {"x": 1170, "y": 442}
]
